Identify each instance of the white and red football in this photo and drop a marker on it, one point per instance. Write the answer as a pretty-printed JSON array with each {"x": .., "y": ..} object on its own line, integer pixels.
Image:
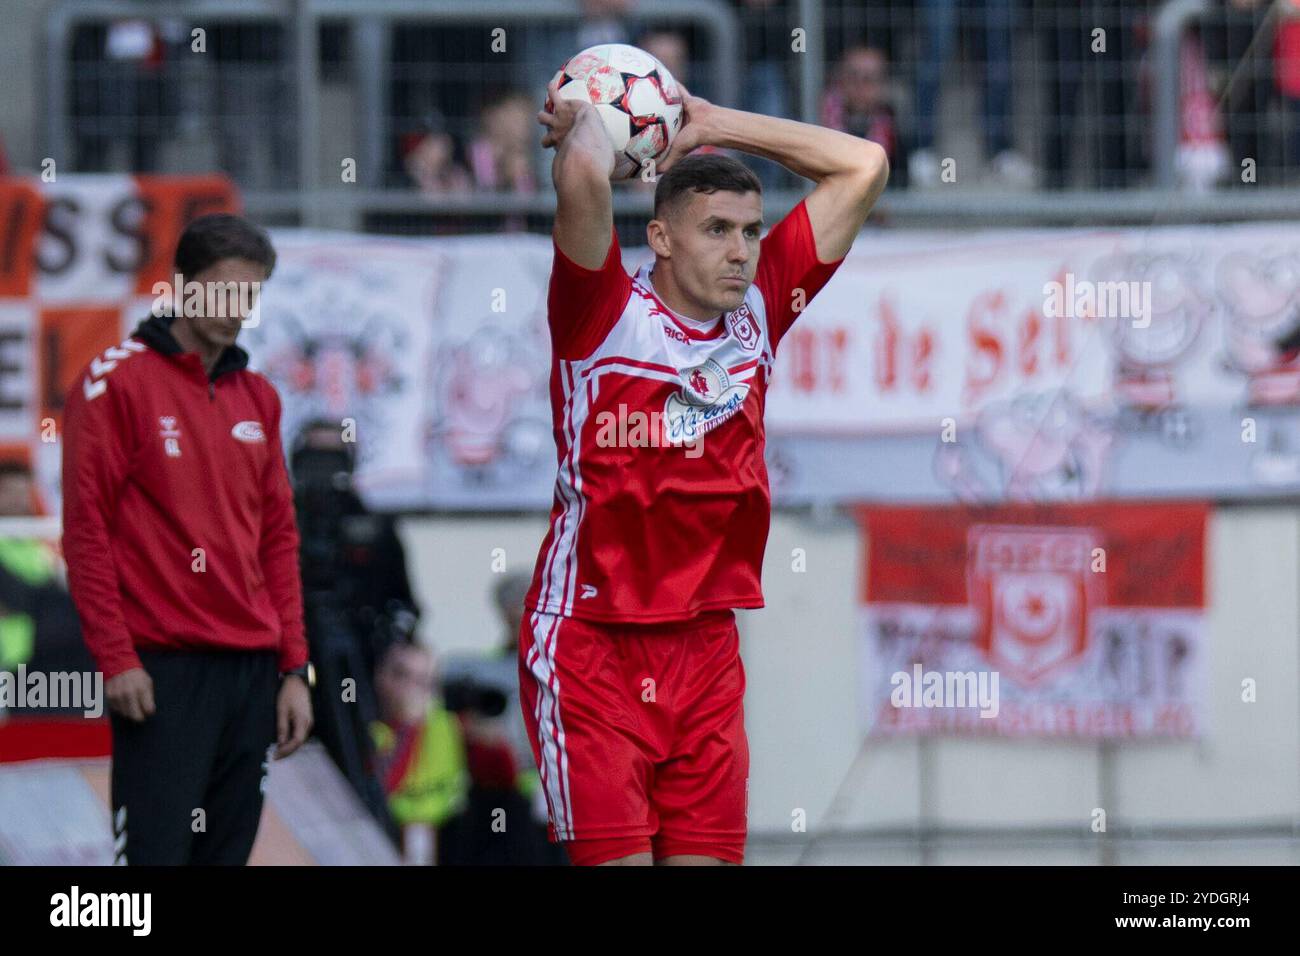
[{"x": 637, "y": 98}]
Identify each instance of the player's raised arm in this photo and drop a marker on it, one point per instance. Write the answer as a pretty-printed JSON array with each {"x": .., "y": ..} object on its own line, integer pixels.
[
  {"x": 584, "y": 218},
  {"x": 589, "y": 286},
  {"x": 850, "y": 172}
]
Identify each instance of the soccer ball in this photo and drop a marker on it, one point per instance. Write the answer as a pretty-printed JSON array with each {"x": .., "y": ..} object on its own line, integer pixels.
[{"x": 637, "y": 99}]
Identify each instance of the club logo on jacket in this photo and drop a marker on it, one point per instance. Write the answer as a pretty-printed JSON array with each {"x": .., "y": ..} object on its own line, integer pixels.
[
  {"x": 170, "y": 434},
  {"x": 248, "y": 431},
  {"x": 707, "y": 399}
]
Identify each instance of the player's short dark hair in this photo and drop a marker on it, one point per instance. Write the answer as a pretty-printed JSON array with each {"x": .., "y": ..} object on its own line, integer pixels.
[
  {"x": 218, "y": 236},
  {"x": 702, "y": 173}
]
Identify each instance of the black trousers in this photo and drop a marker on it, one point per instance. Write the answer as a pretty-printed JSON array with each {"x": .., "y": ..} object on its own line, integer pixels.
[{"x": 187, "y": 783}]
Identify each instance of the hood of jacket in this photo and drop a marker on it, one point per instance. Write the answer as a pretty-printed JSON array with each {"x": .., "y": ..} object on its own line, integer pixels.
[{"x": 156, "y": 332}]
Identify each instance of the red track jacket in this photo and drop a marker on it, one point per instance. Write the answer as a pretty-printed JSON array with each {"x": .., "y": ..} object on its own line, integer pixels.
[{"x": 178, "y": 521}]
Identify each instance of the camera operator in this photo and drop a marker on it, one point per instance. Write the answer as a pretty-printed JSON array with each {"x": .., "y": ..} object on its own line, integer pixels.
[
  {"x": 356, "y": 596},
  {"x": 483, "y": 690}
]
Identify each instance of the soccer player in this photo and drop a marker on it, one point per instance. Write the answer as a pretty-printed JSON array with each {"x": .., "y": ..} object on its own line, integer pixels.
[
  {"x": 630, "y": 672},
  {"x": 182, "y": 554}
]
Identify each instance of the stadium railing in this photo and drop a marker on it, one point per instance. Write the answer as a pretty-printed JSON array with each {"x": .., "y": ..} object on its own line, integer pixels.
[
  {"x": 1253, "y": 110},
  {"x": 340, "y": 53}
]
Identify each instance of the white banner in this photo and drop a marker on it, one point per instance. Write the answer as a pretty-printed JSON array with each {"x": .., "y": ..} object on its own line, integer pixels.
[
  {"x": 1010, "y": 365},
  {"x": 1006, "y": 365}
]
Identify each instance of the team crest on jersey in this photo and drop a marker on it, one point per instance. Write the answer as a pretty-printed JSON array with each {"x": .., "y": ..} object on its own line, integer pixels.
[
  {"x": 743, "y": 327},
  {"x": 706, "y": 399}
]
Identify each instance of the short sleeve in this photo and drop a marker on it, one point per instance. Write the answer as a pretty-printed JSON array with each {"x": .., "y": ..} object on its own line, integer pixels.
[
  {"x": 787, "y": 261},
  {"x": 583, "y": 305}
]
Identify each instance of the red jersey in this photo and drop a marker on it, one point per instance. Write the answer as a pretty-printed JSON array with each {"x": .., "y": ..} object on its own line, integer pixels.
[
  {"x": 662, "y": 504},
  {"x": 159, "y": 459}
]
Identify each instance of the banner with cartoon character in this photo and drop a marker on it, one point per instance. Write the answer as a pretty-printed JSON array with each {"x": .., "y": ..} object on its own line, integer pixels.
[
  {"x": 1050, "y": 620},
  {"x": 1063, "y": 364},
  {"x": 345, "y": 333},
  {"x": 1001, "y": 366}
]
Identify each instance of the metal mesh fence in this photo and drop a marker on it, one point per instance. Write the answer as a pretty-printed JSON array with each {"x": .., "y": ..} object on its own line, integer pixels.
[{"x": 436, "y": 103}]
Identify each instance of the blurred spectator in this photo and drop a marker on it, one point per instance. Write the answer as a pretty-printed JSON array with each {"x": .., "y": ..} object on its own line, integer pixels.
[
  {"x": 766, "y": 85},
  {"x": 419, "y": 756},
  {"x": 1202, "y": 158},
  {"x": 121, "y": 92},
  {"x": 500, "y": 155},
  {"x": 1066, "y": 37},
  {"x": 352, "y": 553},
  {"x": 257, "y": 135},
  {"x": 38, "y": 621},
  {"x": 17, "y": 490},
  {"x": 548, "y": 46},
  {"x": 938, "y": 33},
  {"x": 484, "y": 692},
  {"x": 356, "y": 597},
  {"x": 1242, "y": 79},
  {"x": 436, "y": 73},
  {"x": 429, "y": 157},
  {"x": 857, "y": 102},
  {"x": 669, "y": 48},
  {"x": 1286, "y": 58},
  {"x": 603, "y": 21}
]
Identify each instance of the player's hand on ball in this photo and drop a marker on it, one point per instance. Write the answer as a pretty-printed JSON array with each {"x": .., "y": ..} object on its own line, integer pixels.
[
  {"x": 130, "y": 694},
  {"x": 292, "y": 716},
  {"x": 698, "y": 113},
  {"x": 559, "y": 114}
]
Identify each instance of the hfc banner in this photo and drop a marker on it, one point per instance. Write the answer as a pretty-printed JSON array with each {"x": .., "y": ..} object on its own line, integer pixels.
[{"x": 1035, "y": 621}]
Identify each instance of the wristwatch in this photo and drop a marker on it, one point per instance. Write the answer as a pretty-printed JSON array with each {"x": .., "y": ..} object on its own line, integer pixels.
[{"x": 307, "y": 672}]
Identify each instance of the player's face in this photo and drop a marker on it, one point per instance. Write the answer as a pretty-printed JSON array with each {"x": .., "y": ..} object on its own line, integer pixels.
[
  {"x": 230, "y": 290},
  {"x": 715, "y": 248}
]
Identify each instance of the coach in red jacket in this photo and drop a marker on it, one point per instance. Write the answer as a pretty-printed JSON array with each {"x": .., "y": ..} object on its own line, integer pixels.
[{"x": 182, "y": 553}]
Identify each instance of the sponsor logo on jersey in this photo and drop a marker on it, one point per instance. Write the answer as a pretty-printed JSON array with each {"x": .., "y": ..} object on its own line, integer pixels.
[
  {"x": 744, "y": 327},
  {"x": 707, "y": 399},
  {"x": 248, "y": 431},
  {"x": 588, "y": 591},
  {"x": 677, "y": 334}
]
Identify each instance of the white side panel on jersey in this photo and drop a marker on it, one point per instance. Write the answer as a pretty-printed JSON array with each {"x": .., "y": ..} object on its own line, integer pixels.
[{"x": 554, "y": 767}]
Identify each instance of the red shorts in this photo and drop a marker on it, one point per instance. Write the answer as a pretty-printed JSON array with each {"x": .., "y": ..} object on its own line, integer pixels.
[{"x": 639, "y": 734}]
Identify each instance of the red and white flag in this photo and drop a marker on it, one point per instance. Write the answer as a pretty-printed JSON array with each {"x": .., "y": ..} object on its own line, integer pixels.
[{"x": 1028, "y": 620}]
